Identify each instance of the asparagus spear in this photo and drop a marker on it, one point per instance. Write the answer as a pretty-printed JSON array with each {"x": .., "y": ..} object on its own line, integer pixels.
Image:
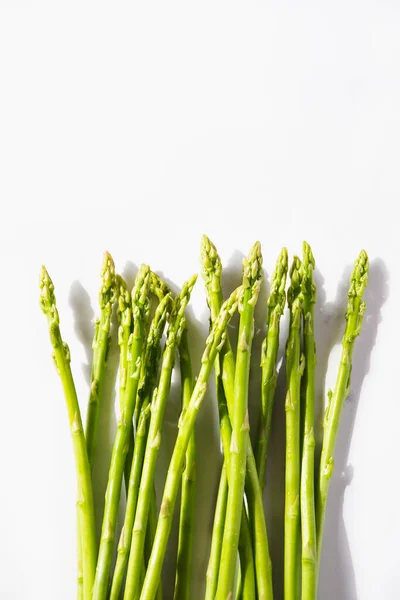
[
  {"x": 140, "y": 308},
  {"x": 307, "y": 501},
  {"x": 186, "y": 425},
  {"x": 354, "y": 316},
  {"x": 146, "y": 387},
  {"x": 107, "y": 297},
  {"x": 124, "y": 315},
  {"x": 132, "y": 587},
  {"x": 294, "y": 367},
  {"x": 61, "y": 356},
  {"x": 217, "y": 535},
  {"x": 269, "y": 353},
  {"x": 252, "y": 273},
  {"x": 188, "y": 493},
  {"x": 245, "y": 542},
  {"x": 211, "y": 271}
]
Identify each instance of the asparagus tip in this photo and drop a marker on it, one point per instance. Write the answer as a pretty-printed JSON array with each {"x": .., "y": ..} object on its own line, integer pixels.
[
  {"x": 359, "y": 276},
  {"x": 252, "y": 266},
  {"x": 47, "y": 297},
  {"x": 307, "y": 284},
  {"x": 109, "y": 288},
  {"x": 277, "y": 295},
  {"x": 158, "y": 287},
  {"x": 295, "y": 281},
  {"x": 209, "y": 258}
]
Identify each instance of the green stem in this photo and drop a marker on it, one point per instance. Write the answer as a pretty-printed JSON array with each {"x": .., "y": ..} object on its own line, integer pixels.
[
  {"x": 188, "y": 492},
  {"x": 145, "y": 390},
  {"x": 140, "y": 308},
  {"x": 61, "y": 356},
  {"x": 107, "y": 297},
  {"x": 269, "y": 355},
  {"x": 252, "y": 274},
  {"x": 217, "y": 535},
  {"x": 212, "y": 276},
  {"x": 132, "y": 495},
  {"x": 355, "y": 311},
  {"x": 132, "y": 587},
  {"x": 186, "y": 426},
  {"x": 245, "y": 543},
  {"x": 307, "y": 495},
  {"x": 292, "y": 407}
]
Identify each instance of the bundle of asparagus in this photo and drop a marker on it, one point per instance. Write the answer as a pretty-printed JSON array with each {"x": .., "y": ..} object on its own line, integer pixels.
[{"x": 146, "y": 368}]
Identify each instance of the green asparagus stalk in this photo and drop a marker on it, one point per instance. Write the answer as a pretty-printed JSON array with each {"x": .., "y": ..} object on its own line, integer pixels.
[
  {"x": 269, "y": 354},
  {"x": 145, "y": 391},
  {"x": 211, "y": 270},
  {"x": 188, "y": 492},
  {"x": 294, "y": 367},
  {"x": 245, "y": 548},
  {"x": 107, "y": 297},
  {"x": 252, "y": 273},
  {"x": 140, "y": 309},
  {"x": 61, "y": 356},
  {"x": 124, "y": 315},
  {"x": 307, "y": 497},
  {"x": 132, "y": 586},
  {"x": 354, "y": 317},
  {"x": 213, "y": 345},
  {"x": 217, "y": 535}
]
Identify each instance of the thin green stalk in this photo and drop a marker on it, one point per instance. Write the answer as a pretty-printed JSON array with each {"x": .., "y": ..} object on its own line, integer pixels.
[
  {"x": 307, "y": 496},
  {"x": 188, "y": 492},
  {"x": 245, "y": 548},
  {"x": 140, "y": 310},
  {"x": 252, "y": 273},
  {"x": 132, "y": 586},
  {"x": 245, "y": 542},
  {"x": 269, "y": 355},
  {"x": 217, "y": 535},
  {"x": 145, "y": 391},
  {"x": 124, "y": 315},
  {"x": 211, "y": 271},
  {"x": 79, "y": 570},
  {"x": 62, "y": 358},
  {"x": 294, "y": 366},
  {"x": 354, "y": 315},
  {"x": 101, "y": 341},
  {"x": 186, "y": 426}
]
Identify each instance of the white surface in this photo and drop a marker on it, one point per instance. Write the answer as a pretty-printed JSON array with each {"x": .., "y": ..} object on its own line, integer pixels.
[{"x": 137, "y": 130}]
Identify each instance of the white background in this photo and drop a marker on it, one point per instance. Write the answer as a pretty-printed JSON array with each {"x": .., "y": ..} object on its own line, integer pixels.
[{"x": 136, "y": 129}]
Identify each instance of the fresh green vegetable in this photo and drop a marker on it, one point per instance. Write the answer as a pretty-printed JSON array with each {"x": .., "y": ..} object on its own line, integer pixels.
[
  {"x": 145, "y": 391},
  {"x": 307, "y": 495},
  {"x": 294, "y": 367},
  {"x": 186, "y": 425},
  {"x": 140, "y": 309},
  {"x": 188, "y": 493},
  {"x": 132, "y": 586},
  {"x": 252, "y": 273},
  {"x": 62, "y": 358},
  {"x": 211, "y": 270},
  {"x": 354, "y": 317},
  {"x": 269, "y": 354}
]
